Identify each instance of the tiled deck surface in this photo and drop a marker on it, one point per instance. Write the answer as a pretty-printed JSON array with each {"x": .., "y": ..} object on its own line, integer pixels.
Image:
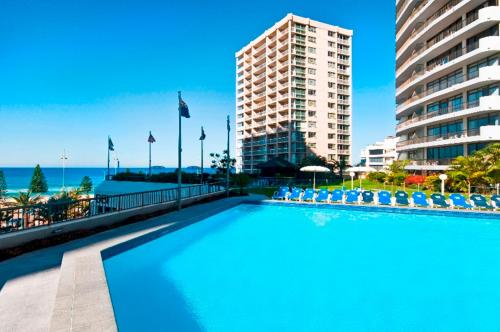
[{"x": 63, "y": 288}]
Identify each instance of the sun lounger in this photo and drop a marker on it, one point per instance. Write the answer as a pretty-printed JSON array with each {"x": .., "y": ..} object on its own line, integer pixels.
[
  {"x": 495, "y": 201},
  {"x": 296, "y": 194},
  {"x": 459, "y": 201},
  {"x": 480, "y": 201},
  {"x": 367, "y": 196},
  {"x": 384, "y": 198},
  {"x": 322, "y": 196},
  {"x": 352, "y": 196},
  {"x": 337, "y": 196},
  {"x": 309, "y": 194},
  {"x": 401, "y": 198},
  {"x": 419, "y": 199},
  {"x": 281, "y": 193},
  {"x": 439, "y": 200}
]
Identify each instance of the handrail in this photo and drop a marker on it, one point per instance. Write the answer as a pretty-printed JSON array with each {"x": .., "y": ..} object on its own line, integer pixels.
[
  {"x": 433, "y": 138},
  {"x": 19, "y": 218}
]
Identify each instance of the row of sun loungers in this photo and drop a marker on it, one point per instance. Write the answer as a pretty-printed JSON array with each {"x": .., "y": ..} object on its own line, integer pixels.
[{"x": 400, "y": 198}]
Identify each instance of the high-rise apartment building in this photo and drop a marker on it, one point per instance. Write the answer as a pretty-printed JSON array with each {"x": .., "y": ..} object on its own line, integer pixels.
[
  {"x": 447, "y": 79},
  {"x": 293, "y": 94}
]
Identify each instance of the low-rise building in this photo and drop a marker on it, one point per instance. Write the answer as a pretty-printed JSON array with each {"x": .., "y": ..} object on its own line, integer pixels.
[{"x": 380, "y": 154}]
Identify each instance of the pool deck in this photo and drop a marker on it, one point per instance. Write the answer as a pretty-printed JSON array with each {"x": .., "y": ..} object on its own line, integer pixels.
[{"x": 64, "y": 288}]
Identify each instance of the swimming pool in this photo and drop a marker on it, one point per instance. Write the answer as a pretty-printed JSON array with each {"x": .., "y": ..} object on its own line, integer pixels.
[{"x": 275, "y": 267}]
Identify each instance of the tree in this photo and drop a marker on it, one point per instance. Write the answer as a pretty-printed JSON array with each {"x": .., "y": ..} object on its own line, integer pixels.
[
  {"x": 38, "y": 181},
  {"x": 466, "y": 171},
  {"x": 397, "y": 172},
  {"x": 86, "y": 185},
  {"x": 340, "y": 166},
  {"x": 242, "y": 180},
  {"x": 314, "y": 160},
  {"x": 3, "y": 185},
  {"x": 219, "y": 162},
  {"x": 24, "y": 199},
  {"x": 377, "y": 176},
  {"x": 432, "y": 182}
]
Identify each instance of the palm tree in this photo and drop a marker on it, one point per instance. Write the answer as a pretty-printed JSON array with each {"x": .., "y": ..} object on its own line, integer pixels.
[
  {"x": 25, "y": 201},
  {"x": 466, "y": 171}
]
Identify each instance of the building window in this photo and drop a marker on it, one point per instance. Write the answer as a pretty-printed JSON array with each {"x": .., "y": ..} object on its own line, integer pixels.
[
  {"x": 331, "y": 85},
  {"x": 445, "y": 82},
  {"x": 311, "y": 29},
  {"x": 311, "y": 71},
  {"x": 331, "y": 44},
  {"x": 311, "y": 61},
  {"x": 331, "y": 95},
  {"x": 331, "y": 105},
  {"x": 311, "y": 39},
  {"x": 447, "y": 153},
  {"x": 311, "y": 82},
  {"x": 311, "y": 92},
  {"x": 311, "y": 50},
  {"x": 473, "y": 69},
  {"x": 331, "y": 115},
  {"x": 311, "y": 114},
  {"x": 331, "y": 34},
  {"x": 331, "y": 54},
  {"x": 331, "y": 126},
  {"x": 331, "y": 74},
  {"x": 331, "y": 64},
  {"x": 311, "y": 134},
  {"x": 311, "y": 103},
  {"x": 331, "y": 136},
  {"x": 331, "y": 146},
  {"x": 473, "y": 96}
]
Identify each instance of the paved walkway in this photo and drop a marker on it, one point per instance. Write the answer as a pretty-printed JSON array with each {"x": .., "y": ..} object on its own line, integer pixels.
[{"x": 63, "y": 288}]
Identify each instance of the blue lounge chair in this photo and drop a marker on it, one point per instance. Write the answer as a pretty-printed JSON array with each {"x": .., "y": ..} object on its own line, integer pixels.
[
  {"x": 308, "y": 195},
  {"x": 281, "y": 193},
  {"x": 352, "y": 196},
  {"x": 401, "y": 198},
  {"x": 439, "y": 200},
  {"x": 480, "y": 201},
  {"x": 384, "y": 198},
  {"x": 322, "y": 195},
  {"x": 459, "y": 201},
  {"x": 419, "y": 199},
  {"x": 367, "y": 196},
  {"x": 337, "y": 196},
  {"x": 295, "y": 195},
  {"x": 495, "y": 200}
]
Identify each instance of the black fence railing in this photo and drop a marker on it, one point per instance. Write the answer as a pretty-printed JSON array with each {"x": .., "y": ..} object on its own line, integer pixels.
[{"x": 18, "y": 218}]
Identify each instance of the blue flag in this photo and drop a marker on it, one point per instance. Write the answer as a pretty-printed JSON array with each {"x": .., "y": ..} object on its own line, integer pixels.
[
  {"x": 183, "y": 107},
  {"x": 111, "y": 146},
  {"x": 202, "y": 137}
]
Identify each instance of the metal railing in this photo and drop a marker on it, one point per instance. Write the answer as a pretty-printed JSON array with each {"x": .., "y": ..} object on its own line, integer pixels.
[
  {"x": 434, "y": 138},
  {"x": 18, "y": 218}
]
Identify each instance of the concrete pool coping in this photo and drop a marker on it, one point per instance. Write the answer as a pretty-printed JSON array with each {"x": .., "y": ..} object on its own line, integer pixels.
[{"x": 64, "y": 288}]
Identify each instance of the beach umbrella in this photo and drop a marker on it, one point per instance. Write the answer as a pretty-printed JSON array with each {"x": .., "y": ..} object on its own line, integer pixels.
[
  {"x": 314, "y": 170},
  {"x": 360, "y": 169}
]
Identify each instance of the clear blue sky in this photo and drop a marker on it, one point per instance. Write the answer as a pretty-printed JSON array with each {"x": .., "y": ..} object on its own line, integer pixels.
[{"x": 72, "y": 72}]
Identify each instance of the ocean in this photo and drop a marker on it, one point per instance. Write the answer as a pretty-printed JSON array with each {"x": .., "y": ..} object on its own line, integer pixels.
[{"x": 19, "y": 178}]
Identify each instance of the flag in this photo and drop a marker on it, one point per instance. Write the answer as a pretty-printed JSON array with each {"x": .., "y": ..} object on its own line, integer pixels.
[
  {"x": 202, "y": 137},
  {"x": 228, "y": 126},
  {"x": 151, "y": 139},
  {"x": 183, "y": 107},
  {"x": 111, "y": 146}
]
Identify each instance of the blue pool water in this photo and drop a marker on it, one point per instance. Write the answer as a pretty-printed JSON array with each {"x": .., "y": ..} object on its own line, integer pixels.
[{"x": 282, "y": 268}]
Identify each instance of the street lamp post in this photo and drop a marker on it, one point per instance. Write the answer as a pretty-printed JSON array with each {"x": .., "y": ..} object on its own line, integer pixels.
[
  {"x": 352, "y": 179},
  {"x": 443, "y": 178},
  {"x": 64, "y": 157}
]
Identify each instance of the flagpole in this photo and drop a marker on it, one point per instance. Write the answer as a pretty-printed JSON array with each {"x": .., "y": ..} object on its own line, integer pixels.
[
  {"x": 107, "y": 177},
  {"x": 149, "y": 153},
  {"x": 228, "y": 160},
  {"x": 201, "y": 174},
  {"x": 179, "y": 149}
]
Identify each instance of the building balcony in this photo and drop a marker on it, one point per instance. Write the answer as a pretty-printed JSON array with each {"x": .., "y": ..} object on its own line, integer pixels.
[
  {"x": 486, "y": 46},
  {"x": 486, "y": 17},
  {"x": 483, "y": 134},
  {"x": 485, "y": 104},
  {"x": 486, "y": 76},
  {"x": 431, "y": 24},
  {"x": 403, "y": 11}
]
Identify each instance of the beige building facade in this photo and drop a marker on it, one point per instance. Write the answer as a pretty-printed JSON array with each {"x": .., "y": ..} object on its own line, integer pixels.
[
  {"x": 447, "y": 79},
  {"x": 294, "y": 94}
]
